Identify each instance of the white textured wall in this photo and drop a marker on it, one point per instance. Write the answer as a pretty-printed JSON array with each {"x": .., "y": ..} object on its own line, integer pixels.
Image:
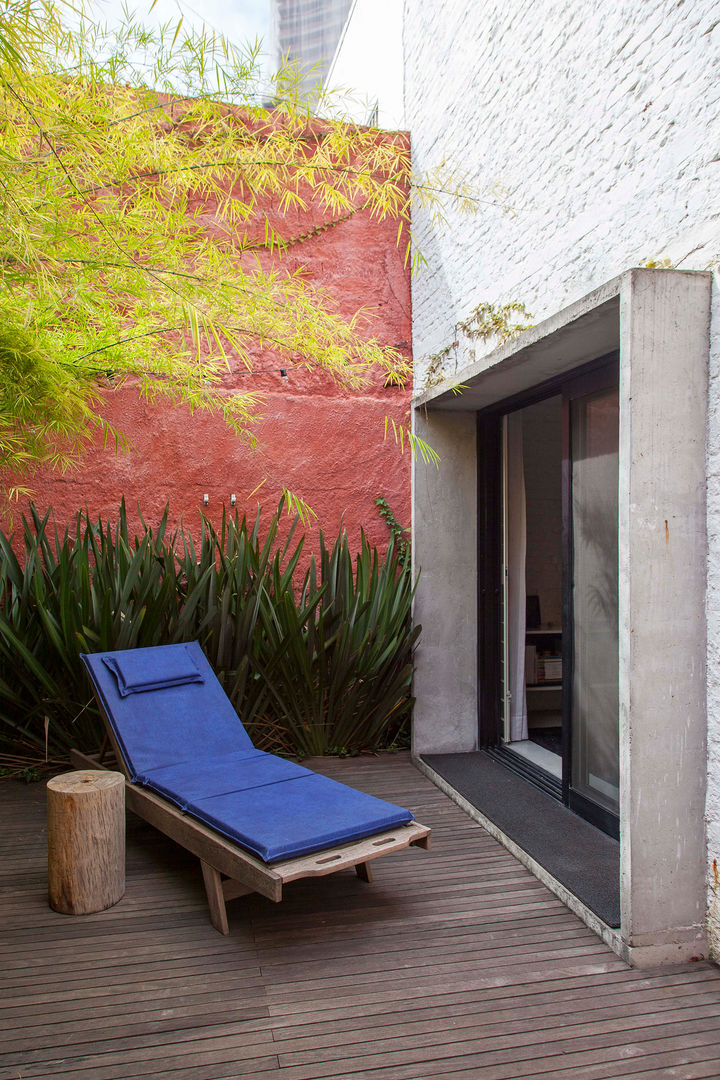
[{"x": 602, "y": 124}]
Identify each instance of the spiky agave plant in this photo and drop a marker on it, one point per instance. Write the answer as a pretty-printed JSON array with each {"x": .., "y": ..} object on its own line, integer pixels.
[
  {"x": 336, "y": 661},
  {"x": 309, "y": 666}
]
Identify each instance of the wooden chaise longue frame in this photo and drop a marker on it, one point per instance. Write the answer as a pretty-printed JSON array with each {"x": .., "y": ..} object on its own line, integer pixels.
[{"x": 228, "y": 870}]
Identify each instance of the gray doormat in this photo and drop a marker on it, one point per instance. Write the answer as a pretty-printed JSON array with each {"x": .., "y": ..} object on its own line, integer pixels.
[{"x": 579, "y": 856}]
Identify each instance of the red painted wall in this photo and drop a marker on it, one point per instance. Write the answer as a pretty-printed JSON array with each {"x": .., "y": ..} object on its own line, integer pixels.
[{"x": 323, "y": 443}]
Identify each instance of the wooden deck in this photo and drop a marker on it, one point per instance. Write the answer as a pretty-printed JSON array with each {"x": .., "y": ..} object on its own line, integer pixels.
[{"x": 455, "y": 963}]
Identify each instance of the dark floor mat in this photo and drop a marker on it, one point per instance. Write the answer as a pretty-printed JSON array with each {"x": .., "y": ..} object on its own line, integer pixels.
[{"x": 583, "y": 859}]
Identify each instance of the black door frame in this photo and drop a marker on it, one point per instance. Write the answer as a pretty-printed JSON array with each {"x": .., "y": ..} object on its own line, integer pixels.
[{"x": 598, "y": 374}]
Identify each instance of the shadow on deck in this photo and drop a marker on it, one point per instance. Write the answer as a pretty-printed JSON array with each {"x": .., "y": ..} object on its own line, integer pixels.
[{"x": 456, "y": 963}]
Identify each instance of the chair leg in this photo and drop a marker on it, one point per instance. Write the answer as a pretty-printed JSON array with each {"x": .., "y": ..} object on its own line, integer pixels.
[
  {"x": 215, "y": 897},
  {"x": 364, "y": 872}
]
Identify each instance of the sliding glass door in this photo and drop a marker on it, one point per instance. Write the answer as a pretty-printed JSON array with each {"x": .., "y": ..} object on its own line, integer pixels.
[
  {"x": 549, "y": 589},
  {"x": 593, "y": 603}
]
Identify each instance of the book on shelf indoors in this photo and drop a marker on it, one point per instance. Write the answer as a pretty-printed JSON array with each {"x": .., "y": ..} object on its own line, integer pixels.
[{"x": 549, "y": 669}]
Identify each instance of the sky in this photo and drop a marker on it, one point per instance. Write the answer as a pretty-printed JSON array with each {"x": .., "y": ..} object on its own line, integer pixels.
[{"x": 239, "y": 20}]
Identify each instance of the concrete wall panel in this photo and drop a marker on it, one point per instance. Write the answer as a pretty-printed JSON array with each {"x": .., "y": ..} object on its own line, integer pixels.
[
  {"x": 664, "y": 327},
  {"x": 445, "y": 552}
]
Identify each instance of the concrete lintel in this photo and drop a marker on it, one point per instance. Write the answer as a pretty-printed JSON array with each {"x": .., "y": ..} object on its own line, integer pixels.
[{"x": 582, "y": 331}]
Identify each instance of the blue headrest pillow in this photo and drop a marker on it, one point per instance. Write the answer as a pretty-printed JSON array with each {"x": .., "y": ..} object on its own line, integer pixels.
[{"x": 139, "y": 670}]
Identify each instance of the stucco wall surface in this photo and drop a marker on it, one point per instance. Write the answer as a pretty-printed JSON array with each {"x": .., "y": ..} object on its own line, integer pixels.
[
  {"x": 325, "y": 444},
  {"x": 598, "y": 127}
]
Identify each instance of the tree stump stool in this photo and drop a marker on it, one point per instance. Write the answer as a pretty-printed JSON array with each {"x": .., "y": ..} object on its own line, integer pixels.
[{"x": 86, "y": 841}]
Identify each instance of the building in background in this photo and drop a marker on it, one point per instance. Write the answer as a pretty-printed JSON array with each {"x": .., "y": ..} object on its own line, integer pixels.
[
  {"x": 367, "y": 70},
  {"x": 306, "y": 32}
]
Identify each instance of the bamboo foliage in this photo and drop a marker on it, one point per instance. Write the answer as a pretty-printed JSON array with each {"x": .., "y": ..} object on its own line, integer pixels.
[
  {"x": 311, "y": 662},
  {"x": 148, "y": 198}
]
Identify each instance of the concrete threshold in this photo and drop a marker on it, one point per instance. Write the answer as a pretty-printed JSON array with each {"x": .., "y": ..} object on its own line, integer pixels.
[{"x": 610, "y": 935}]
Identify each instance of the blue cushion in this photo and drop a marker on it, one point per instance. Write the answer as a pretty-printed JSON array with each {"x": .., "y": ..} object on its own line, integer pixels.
[
  {"x": 185, "y": 741},
  {"x": 199, "y": 779},
  {"x": 179, "y": 723},
  {"x": 140, "y": 670},
  {"x": 297, "y": 816}
]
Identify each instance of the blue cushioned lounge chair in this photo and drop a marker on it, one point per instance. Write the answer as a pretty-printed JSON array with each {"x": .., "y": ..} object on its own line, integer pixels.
[{"x": 256, "y": 821}]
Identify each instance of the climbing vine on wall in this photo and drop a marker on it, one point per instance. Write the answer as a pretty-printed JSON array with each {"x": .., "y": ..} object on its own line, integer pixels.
[
  {"x": 398, "y": 532},
  {"x": 486, "y": 322}
]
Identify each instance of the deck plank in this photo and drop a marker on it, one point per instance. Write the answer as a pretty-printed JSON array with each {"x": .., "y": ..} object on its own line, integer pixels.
[{"x": 456, "y": 963}]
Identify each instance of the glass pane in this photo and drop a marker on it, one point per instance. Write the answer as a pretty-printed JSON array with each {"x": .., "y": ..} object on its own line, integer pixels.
[
  {"x": 594, "y": 425},
  {"x": 516, "y": 725}
]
